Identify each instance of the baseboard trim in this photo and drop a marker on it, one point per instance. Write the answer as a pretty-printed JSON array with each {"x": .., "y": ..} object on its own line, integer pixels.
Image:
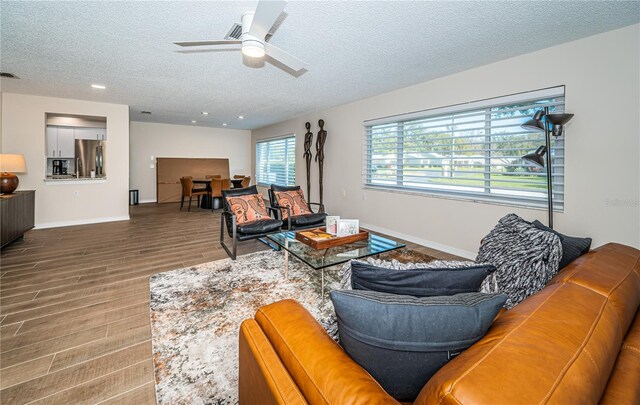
[
  {"x": 423, "y": 242},
  {"x": 81, "y": 222},
  {"x": 152, "y": 200}
]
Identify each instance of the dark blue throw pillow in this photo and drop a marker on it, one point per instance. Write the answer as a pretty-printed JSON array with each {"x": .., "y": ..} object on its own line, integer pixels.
[
  {"x": 572, "y": 247},
  {"x": 403, "y": 340},
  {"x": 419, "y": 282}
]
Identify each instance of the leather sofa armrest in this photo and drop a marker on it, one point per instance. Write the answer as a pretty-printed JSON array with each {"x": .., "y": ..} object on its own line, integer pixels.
[
  {"x": 323, "y": 372},
  {"x": 263, "y": 379}
]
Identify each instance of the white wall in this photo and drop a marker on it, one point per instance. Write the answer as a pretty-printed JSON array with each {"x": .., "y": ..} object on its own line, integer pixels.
[
  {"x": 23, "y": 131},
  {"x": 602, "y": 164},
  {"x": 165, "y": 140}
]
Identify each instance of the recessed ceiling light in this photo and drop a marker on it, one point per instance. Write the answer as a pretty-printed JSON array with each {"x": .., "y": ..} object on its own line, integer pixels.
[
  {"x": 205, "y": 113},
  {"x": 240, "y": 117},
  {"x": 224, "y": 124},
  {"x": 98, "y": 86},
  {"x": 193, "y": 122}
]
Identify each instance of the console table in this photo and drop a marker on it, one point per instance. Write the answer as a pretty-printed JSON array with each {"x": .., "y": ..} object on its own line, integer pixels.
[{"x": 17, "y": 215}]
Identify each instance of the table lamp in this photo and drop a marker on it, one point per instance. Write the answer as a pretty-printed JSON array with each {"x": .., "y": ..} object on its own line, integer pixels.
[{"x": 10, "y": 164}]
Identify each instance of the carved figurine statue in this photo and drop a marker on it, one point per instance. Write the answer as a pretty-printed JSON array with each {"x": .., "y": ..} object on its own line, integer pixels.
[
  {"x": 322, "y": 137},
  {"x": 308, "y": 141}
]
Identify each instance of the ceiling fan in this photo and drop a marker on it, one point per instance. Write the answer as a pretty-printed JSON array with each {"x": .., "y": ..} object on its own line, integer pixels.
[{"x": 252, "y": 39}]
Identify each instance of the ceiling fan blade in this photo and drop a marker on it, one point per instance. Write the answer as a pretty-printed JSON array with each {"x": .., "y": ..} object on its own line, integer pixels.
[
  {"x": 206, "y": 43},
  {"x": 265, "y": 16},
  {"x": 283, "y": 57},
  {"x": 212, "y": 48}
]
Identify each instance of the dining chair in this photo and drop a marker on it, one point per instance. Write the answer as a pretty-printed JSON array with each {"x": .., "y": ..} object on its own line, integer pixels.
[
  {"x": 217, "y": 185},
  {"x": 245, "y": 181},
  {"x": 188, "y": 191},
  {"x": 194, "y": 187}
]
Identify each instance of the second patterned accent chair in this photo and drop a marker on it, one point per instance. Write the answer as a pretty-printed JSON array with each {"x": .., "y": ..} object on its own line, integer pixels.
[{"x": 293, "y": 209}]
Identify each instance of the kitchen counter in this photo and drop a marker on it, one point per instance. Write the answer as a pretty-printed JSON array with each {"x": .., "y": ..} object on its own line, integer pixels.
[{"x": 73, "y": 179}]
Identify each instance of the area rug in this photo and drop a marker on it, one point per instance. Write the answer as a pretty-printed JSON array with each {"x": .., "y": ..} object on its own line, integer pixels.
[{"x": 196, "y": 314}]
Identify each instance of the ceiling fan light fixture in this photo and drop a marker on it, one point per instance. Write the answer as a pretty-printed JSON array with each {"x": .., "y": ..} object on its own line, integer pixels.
[{"x": 253, "y": 48}]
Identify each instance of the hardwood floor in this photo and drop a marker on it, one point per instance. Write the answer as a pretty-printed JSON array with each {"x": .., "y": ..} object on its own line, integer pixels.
[{"x": 74, "y": 304}]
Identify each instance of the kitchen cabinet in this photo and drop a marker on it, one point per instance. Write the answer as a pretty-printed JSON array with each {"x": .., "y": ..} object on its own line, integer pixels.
[
  {"x": 52, "y": 141},
  {"x": 60, "y": 142},
  {"x": 99, "y": 134},
  {"x": 66, "y": 142}
]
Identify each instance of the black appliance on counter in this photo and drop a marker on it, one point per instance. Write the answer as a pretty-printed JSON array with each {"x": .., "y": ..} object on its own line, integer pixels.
[{"x": 60, "y": 167}]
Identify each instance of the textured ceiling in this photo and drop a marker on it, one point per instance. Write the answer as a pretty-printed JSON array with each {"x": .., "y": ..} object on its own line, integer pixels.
[{"x": 353, "y": 50}]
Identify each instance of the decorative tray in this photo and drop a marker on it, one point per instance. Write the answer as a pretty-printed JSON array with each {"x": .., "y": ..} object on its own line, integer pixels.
[{"x": 318, "y": 238}]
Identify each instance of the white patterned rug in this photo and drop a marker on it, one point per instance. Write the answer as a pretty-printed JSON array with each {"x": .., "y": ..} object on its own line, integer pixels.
[{"x": 196, "y": 314}]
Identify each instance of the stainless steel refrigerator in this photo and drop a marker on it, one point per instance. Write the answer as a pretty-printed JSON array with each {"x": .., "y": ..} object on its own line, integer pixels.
[{"x": 89, "y": 156}]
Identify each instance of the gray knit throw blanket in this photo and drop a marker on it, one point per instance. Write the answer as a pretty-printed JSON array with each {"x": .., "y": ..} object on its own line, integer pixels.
[{"x": 526, "y": 258}]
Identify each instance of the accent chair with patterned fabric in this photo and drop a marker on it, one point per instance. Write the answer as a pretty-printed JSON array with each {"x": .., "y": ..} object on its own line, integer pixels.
[
  {"x": 293, "y": 209},
  {"x": 246, "y": 217}
]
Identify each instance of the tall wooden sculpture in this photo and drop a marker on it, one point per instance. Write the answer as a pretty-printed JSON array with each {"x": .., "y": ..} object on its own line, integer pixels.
[
  {"x": 308, "y": 141},
  {"x": 322, "y": 137}
]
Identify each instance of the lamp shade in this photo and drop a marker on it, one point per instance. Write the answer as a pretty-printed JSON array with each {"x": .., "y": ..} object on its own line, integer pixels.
[
  {"x": 559, "y": 119},
  {"x": 535, "y": 123},
  {"x": 537, "y": 157},
  {"x": 12, "y": 163}
]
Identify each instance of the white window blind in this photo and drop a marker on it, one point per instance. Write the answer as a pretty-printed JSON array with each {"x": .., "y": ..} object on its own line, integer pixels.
[
  {"x": 276, "y": 161},
  {"x": 471, "y": 151}
]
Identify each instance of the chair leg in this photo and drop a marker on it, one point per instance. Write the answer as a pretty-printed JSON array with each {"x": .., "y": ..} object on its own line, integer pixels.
[
  {"x": 198, "y": 200},
  {"x": 211, "y": 201},
  {"x": 232, "y": 252},
  {"x": 190, "y": 197},
  {"x": 181, "y": 202}
]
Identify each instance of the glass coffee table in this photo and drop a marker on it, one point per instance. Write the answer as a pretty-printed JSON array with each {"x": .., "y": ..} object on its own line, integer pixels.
[{"x": 320, "y": 259}]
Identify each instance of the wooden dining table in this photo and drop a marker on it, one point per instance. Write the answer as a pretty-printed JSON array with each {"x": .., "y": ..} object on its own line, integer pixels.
[{"x": 206, "y": 200}]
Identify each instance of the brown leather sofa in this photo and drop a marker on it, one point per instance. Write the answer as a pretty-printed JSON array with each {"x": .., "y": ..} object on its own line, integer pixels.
[{"x": 577, "y": 341}]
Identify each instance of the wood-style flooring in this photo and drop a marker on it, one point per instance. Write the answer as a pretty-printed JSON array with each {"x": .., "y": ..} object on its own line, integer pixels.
[{"x": 74, "y": 303}]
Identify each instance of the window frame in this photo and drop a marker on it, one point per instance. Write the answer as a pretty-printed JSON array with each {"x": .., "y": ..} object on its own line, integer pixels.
[
  {"x": 291, "y": 177},
  {"x": 518, "y": 196}
]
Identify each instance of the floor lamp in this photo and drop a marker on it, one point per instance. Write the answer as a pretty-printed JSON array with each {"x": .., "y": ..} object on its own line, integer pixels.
[{"x": 550, "y": 124}]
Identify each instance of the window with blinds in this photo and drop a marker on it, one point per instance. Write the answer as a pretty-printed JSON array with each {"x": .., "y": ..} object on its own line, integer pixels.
[
  {"x": 471, "y": 151},
  {"x": 276, "y": 161}
]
